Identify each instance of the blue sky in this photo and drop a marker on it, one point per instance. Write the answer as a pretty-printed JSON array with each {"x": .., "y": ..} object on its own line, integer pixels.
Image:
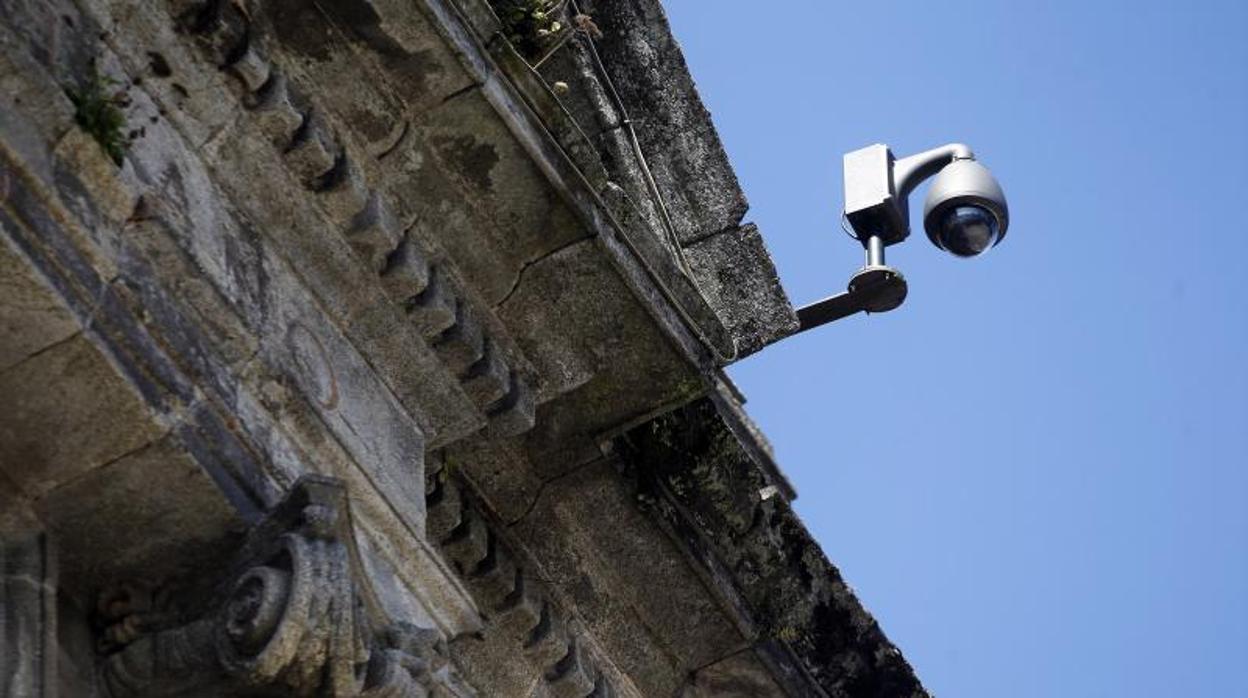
[{"x": 1035, "y": 472}]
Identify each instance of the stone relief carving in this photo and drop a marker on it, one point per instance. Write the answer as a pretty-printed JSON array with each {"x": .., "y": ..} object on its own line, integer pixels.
[{"x": 295, "y": 616}]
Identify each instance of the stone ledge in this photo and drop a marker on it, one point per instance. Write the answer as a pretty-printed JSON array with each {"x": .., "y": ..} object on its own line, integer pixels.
[{"x": 761, "y": 560}]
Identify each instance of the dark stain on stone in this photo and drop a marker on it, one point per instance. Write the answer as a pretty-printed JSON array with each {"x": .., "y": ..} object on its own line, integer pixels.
[
  {"x": 300, "y": 27},
  {"x": 702, "y": 483},
  {"x": 376, "y": 128},
  {"x": 472, "y": 160},
  {"x": 159, "y": 66},
  {"x": 411, "y": 69}
]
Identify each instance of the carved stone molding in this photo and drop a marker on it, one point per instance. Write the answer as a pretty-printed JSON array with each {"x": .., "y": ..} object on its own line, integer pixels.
[
  {"x": 517, "y": 607},
  {"x": 419, "y": 280},
  {"x": 296, "y": 615}
]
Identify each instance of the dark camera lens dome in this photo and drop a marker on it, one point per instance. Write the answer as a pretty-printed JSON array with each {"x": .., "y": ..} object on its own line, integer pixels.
[{"x": 967, "y": 230}]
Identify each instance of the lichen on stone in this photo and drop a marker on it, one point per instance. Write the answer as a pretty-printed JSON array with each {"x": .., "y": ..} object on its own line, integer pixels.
[{"x": 695, "y": 475}]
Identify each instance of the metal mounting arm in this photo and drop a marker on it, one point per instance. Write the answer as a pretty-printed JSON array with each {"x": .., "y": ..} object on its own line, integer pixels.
[
  {"x": 909, "y": 171},
  {"x": 875, "y": 289}
]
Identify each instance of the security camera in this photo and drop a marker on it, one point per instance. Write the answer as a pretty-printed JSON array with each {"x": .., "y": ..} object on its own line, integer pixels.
[
  {"x": 965, "y": 211},
  {"x": 964, "y": 214}
]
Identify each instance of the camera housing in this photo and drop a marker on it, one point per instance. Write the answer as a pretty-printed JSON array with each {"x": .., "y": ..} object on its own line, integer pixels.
[{"x": 965, "y": 212}]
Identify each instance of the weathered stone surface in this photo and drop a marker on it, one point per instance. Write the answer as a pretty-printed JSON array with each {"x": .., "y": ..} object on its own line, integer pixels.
[
  {"x": 736, "y": 273},
  {"x": 594, "y": 543},
  {"x": 237, "y": 168},
  {"x": 358, "y": 410},
  {"x": 342, "y": 49},
  {"x": 104, "y": 521},
  {"x": 15, "y": 511},
  {"x": 709, "y": 492},
  {"x": 738, "y": 676},
  {"x": 502, "y": 473},
  {"x": 514, "y": 413},
  {"x": 487, "y": 380},
  {"x": 31, "y": 318},
  {"x": 67, "y": 412},
  {"x": 342, "y": 234},
  {"x": 683, "y": 157},
  {"x": 474, "y": 191},
  {"x": 28, "y": 627},
  {"x": 277, "y": 116},
  {"x": 215, "y": 252},
  {"x": 293, "y": 614},
  {"x": 676, "y": 133},
  {"x": 571, "y": 315},
  {"x": 484, "y": 658},
  {"x": 30, "y": 132}
]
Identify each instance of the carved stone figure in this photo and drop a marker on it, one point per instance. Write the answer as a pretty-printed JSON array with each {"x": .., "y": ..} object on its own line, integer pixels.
[{"x": 294, "y": 617}]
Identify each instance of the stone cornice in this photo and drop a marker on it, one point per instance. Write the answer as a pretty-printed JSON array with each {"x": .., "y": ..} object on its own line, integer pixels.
[
  {"x": 470, "y": 345},
  {"x": 135, "y": 265},
  {"x": 519, "y": 612},
  {"x": 507, "y": 82},
  {"x": 365, "y": 239}
]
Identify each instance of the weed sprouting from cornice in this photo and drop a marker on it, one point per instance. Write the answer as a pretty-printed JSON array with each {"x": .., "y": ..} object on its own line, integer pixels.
[
  {"x": 530, "y": 25},
  {"x": 97, "y": 111}
]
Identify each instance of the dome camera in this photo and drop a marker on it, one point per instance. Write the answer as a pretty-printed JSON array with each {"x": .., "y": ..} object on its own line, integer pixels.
[
  {"x": 965, "y": 211},
  {"x": 964, "y": 214}
]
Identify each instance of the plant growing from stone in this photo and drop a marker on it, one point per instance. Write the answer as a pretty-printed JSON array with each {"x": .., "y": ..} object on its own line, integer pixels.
[
  {"x": 530, "y": 25},
  {"x": 97, "y": 112}
]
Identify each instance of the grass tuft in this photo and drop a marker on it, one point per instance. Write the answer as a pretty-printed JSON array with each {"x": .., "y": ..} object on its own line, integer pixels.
[{"x": 97, "y": 112}]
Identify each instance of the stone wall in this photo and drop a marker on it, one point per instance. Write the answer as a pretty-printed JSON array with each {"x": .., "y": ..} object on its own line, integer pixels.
[{"x": 325, "y": 332}]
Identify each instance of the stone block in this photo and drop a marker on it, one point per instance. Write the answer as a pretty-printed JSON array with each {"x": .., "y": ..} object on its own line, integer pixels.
[
  {"x": 469, "y": 543},
  {"x": 520, "y": 612},
  {"x": 344, "y": 192},
  {"x": 494, "y": 579},
  {"x": 444, "y": 509},
  {"x": 406, "y": 271},
  {"x": 548, "y": 640},
  {"x": 463, "y": 344},
  {"x": 66, "y": 412},
  {"x": 741, "y": 675},
  {"x": 516, "y": 412},
  {"x": 735, "y": 273},
  {"x": 31, "y": 317},
  {"x": 498, "y": 469},
  {"x": 683, "y": 150},
  {"x": 251, "y": 68},
  {"x": 482, "y": 198},
  {"x": 594, "y": 543},
  {"x": 374, "y": 234},
  {"x": 433, "y": 310},
  {"x": 151, "y": 515},
  {"x": 486, "y": 381},
  {"x": 276, "y": 113},
  {"x": 314, "y": 149},
  {"x": 571, "y": 676}
]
